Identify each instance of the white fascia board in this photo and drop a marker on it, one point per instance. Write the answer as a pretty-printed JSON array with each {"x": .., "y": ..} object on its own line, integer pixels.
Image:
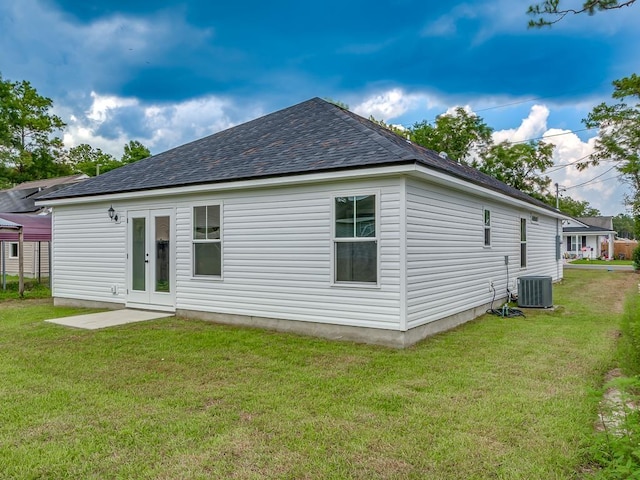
[{"x": 463, "y": 185}]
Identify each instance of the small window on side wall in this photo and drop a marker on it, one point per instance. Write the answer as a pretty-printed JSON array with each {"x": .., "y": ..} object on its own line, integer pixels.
[
  {"x": 355, "y": 239},
  {"x": 487, "y": 228},
  {"x": 207, "y": 243},
  {"x": 523, "y": 243},
  {"x": 13, "y": 250}
]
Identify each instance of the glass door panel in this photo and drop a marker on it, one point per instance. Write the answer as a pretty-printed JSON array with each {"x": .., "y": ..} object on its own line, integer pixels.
[
  {"x": 162, "y": 253},
  {"x": 138, "y": 254}
]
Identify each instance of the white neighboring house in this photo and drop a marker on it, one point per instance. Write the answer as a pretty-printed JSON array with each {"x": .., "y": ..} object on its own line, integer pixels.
[
  {"x": 588, "y": 237},
  {"x": 310, "y": 219}
]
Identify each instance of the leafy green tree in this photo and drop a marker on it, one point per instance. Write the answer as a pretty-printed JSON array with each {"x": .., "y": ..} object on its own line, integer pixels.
[
  {"x": 134, "y": 151},
  {"x": 552, "y": 11},
  {"x": 573, "y": 208},
  {"x": 520, "y": 165},
  {"x": 624, "y": 226},
  {"x": 92, "y": 161},
  {"x": 27, "y": 132},
  {"x": 466, "y": 138},
  {"x": 461, "y": 135},
  {"x": 619, "y": 138}
]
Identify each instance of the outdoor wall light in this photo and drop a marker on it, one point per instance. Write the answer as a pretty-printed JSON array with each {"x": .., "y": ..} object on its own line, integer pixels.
[{"x": 112, "y": 214}]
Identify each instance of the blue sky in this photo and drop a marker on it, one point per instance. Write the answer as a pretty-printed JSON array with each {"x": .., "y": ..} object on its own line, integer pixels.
[{"x": 167, "y": 72}]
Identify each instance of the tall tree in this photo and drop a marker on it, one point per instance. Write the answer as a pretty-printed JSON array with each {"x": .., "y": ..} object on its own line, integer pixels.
[
  {"x": 619, "y": 138},
  {"x": 624, "y": 226},
  {"x": 573, "y": 208},
  {"x": 466, "y": 138},
  {"x": 552, "y": 11},
  {"x": 134, "y": 151},
  {"x": 520, "y": 165},
  {"x": 92, "y": 161},
  {"x": 461, "y": 135},
  {"x": 27, "y": 130}
]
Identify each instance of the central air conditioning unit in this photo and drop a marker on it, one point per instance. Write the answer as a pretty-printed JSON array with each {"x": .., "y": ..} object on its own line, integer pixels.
[{"x": 535, "y": 292}]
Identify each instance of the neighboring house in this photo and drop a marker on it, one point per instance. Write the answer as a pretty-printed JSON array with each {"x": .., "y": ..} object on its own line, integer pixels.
[
  {"x": 21, "y": 199},
  {"x": 588, "y": 237},
  {"x": 310, "y": 219},
  {"x": 36, "y": 234}
]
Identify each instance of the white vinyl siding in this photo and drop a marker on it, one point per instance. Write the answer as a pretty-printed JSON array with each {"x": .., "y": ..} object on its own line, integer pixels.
[
  {"x": 278, "y": 253},
  {"x": 449, "y": 270},
  {"x": 278, "y": 258},
  {"x": 36, "y": 258},
  {"x": 89, "y": 254}
]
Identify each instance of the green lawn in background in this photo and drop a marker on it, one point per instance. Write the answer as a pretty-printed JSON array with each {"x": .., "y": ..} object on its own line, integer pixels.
[
  {"x": 584, "y": 261},
  {"x": 175, "y": 398}
]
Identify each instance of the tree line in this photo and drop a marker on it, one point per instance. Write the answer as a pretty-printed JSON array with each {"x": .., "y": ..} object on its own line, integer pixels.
[
  {"x": 30, "y": 145},
  {"x": 30, "y": 148}
]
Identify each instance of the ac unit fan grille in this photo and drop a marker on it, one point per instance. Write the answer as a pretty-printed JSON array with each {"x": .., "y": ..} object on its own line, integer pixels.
[{"x": 535, "y": 292}]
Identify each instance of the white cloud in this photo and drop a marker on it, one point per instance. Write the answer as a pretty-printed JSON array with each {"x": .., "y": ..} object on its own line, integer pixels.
[
  {"x": 531, "y": 127},
  {"x": 102, "y": 104},
  {"x": 391, "y": 104},
  {"x": 163, "y": 126}
]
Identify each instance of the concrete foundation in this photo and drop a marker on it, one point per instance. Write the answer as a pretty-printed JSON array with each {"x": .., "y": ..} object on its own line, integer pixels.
[
  {"x": 74, "y": 302},
  {"x": 376, "y": 336}
]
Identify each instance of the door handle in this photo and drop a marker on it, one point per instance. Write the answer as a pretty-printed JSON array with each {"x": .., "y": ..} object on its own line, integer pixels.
[{"x": 146, "y": 261}]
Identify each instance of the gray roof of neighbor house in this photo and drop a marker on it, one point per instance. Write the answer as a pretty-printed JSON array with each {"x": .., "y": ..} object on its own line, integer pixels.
[
  {"x": 603, "y": 223},
  {"x": 22, "y": 198},
  {"x": 310, "y": 137},
  {"x": 589, "y": 229}
]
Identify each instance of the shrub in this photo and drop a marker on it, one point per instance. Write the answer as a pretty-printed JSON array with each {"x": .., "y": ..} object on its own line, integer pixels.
[{"x": 635, "y": 256}]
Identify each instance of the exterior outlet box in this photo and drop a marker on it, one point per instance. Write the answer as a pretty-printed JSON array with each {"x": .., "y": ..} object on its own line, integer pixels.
[
  {"x": 114, "y": 289},
  {"x": 506, "y": 259}
]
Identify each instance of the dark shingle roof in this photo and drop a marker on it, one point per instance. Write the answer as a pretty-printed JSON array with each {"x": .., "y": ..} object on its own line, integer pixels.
[
  {"x": 603, "y": 223},
  {"x": 590, "y": 229},
  {"x": 310, "y": 137}
]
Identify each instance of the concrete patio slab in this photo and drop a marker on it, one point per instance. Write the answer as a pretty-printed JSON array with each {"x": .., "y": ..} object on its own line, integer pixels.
[{"x": 95, "y": 321}]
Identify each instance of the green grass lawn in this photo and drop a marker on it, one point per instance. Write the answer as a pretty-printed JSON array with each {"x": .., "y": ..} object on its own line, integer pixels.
[
  {"x": 174, "y": 398},
  {"x": 584, "y": 261},
  {"x": 32, "y": 289}
]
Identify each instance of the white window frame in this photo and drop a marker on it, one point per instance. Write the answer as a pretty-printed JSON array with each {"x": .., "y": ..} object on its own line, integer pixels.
[
  {"x": 487, "y": 227},
  {"x": 335, "y": 240},
  {"x": 195, "y": 241},
  {"x": 523, "y": 243},
  {"x": 11, "y": 247}
]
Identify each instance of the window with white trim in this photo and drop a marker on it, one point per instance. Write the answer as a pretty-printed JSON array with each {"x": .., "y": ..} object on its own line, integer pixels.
[
  {"x": 207, "y": 241},
  {"x": 13, "y": 250},
  {"x": 523, "y": 243},
  {"x": 355, "y": 239},
  {"x": 487, "y": 228}
]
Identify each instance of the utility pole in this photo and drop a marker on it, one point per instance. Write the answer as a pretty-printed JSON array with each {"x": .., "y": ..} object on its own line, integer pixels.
[{"x": 558, "y": 188}]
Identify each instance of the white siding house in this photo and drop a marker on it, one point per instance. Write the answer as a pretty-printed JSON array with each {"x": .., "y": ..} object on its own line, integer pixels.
[
  {"x": 588, "y": 237},
  {"x": 339, "y": 229}
]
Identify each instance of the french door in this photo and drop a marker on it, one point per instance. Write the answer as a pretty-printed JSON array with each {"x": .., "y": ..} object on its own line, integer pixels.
[{"x": 151, "y": 258}]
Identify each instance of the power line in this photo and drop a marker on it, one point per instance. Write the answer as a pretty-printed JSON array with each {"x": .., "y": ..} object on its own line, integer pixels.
[
  {"x": 589, "y": 181},
  {"x": 554, "y": 135},
  {"x": 560, "y": 167}
]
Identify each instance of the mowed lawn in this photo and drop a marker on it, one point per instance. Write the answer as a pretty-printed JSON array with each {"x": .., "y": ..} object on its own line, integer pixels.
[{"x": 176, "y": 399}]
